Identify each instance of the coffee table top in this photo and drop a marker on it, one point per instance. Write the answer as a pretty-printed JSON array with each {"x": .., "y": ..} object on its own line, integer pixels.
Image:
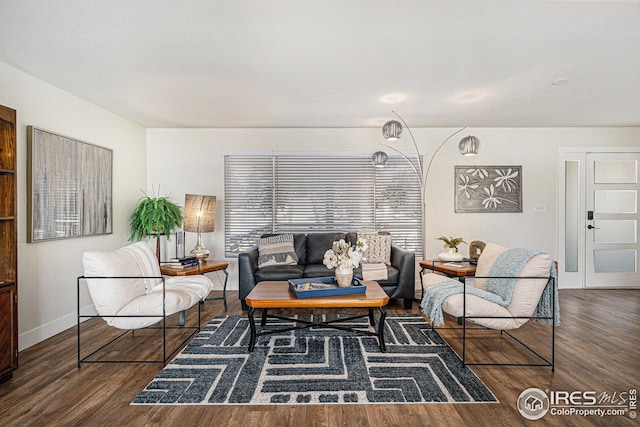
[{"x": 278, "y": 295}]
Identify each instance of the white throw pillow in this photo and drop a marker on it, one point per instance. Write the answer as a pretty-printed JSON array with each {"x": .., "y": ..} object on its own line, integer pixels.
[{"x": 379, "y": 248}]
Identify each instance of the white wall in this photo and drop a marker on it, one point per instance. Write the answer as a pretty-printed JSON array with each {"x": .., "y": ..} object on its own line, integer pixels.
[
  {"x": 47, "y": 271},
  {"x": 190, "y": 161}
]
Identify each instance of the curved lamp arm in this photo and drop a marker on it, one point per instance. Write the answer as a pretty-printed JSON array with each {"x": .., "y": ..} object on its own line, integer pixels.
[
  {"x": 415, "y": 145},
  {"x": 418, "y": 173},
  {"x": 422, "y": 174},
  {"x": 436, "y": 152}
]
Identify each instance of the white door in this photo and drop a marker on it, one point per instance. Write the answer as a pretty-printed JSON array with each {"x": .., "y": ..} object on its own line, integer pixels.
[{"x": 612, "y": 217}]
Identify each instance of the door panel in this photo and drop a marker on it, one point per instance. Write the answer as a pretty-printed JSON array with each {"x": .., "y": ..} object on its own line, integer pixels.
[{"x": 611, "y": 234}]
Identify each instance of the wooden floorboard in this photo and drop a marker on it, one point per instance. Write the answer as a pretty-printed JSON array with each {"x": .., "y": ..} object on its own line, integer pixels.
[{"x": 597, "y": 348}]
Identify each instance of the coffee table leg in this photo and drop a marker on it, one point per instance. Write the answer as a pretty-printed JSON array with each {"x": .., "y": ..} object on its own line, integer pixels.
[
  {"x": 372, "y": 319},
  {"x": 383, "y": 315},
  {"x": 252, "y": 325},
  {"x": 264, "y": 317}
]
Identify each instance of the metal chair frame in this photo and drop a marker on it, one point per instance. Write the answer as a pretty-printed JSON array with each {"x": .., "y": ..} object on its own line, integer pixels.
[
  {"x": 166, "y": 354},
  {"x": 463, "y": 320}
]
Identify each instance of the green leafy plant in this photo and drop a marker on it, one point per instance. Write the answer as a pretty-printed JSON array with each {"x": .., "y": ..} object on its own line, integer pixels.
[
  {"x": 451, "y": 242},
  {"x": 154, "y": 216}
]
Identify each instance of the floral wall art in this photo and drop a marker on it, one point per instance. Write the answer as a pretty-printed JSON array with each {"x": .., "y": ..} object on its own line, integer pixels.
[{"x": 488, "y": 189}]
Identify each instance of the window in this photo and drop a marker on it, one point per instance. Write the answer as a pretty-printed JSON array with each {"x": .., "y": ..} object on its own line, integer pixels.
[{"x": 299, "y": 193}]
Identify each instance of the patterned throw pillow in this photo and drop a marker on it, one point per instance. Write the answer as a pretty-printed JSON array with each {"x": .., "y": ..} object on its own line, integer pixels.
[
  {"x": 379, "y": 247},
  {"x": 276, "y": 250}
]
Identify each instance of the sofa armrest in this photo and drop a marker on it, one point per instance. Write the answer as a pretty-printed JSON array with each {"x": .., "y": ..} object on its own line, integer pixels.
[
  {"x": 247, "y": 267},
  {"x": 405, "y": 261}
]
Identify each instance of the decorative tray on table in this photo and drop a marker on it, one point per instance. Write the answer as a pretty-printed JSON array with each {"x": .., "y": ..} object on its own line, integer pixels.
[{"x": 323, "y": 287}]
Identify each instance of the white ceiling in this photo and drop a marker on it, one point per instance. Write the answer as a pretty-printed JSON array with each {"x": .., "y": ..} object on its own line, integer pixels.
[{"x": 335, "y": 63}]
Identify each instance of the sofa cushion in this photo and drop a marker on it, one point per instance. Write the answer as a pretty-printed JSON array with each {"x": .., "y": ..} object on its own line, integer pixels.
[
  {"x": 489, "y": 254},
  {"x": 300, "y": 245},
  {"x": 147, "y": 262},
  {"x": 276, "y": 250},
  {"x": 110, "y": 295},
  {"x": 175, "y": 300},
  {"x": 198, "y": 284},
  {"x": 379, "y": 249},
  {"x": 279, "y": 272},
  {"x": 393, "y": 275},
  {"x": 526, "y": 292},
  {"x": 319, "y": 243},
  {"x": 319, "y": 270}
]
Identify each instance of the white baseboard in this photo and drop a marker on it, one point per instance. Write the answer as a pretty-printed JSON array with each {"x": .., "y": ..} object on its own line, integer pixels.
[{"x": 49, "y": 329}]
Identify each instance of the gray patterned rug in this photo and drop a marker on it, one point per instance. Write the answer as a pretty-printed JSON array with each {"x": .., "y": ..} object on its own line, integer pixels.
[{"x": 315, "y": 366}]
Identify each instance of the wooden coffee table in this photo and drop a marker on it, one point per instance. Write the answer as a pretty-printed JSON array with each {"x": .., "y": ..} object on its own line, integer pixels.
[{"x": 277, "y": 295}]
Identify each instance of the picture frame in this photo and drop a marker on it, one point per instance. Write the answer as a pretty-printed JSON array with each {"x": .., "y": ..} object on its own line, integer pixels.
[
  {"x": 69, "y": 187},
  {"x": 488, "y": 189}
]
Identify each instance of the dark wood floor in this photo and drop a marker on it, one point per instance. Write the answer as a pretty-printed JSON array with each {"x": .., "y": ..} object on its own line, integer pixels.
[{"x": 598, "y": 345}]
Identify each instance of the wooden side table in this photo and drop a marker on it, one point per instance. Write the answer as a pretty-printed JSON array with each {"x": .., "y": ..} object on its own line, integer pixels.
[
  {"x": 437, "y": 265},
  {"x": 202, "y": 268}
]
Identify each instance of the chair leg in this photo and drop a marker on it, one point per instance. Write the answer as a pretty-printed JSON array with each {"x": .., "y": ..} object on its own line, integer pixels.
[
  {"x": 408, "y": 303},
  {"x": 181, "y": 318}
]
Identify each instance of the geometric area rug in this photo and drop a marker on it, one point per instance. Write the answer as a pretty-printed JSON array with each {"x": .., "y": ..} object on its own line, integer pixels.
[{"x": 315, "y": 366}]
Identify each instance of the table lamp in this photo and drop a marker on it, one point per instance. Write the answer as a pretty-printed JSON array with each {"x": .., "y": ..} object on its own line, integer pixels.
[{"x": 199, "y": 217}]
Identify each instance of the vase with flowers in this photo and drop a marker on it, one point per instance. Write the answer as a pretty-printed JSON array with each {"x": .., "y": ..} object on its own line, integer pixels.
[
  {"x": 344, "y": 258},
  {"x": 451, "y": 244}
]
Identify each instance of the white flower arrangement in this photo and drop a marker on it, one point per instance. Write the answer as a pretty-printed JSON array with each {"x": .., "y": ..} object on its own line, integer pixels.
[{"x": 344, "y": 256}]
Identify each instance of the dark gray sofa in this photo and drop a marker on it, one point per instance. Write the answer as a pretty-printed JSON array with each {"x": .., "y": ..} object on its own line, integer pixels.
[{"x": 310, "y": 249}]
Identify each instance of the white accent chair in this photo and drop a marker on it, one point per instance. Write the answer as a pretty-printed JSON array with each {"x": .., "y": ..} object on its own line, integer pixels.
[
  {"x": 534, "y": 277},
  {"x": 129, "y": 292}
]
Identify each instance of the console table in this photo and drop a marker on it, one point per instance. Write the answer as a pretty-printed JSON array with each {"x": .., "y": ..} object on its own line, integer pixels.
[{"x": 202, "y": 268}]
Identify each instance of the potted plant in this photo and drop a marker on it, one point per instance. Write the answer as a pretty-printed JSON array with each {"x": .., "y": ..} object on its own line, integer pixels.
[
  {"x": 451, "y": 244},
  {"x": 154, "y": 216}
]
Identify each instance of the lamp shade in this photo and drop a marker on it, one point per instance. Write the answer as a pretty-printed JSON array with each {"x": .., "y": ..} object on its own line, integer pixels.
[
  {"x": 199, "y": 213},
  {"x": 379, "y": 159},
  {"x": 392, "y": 130},
  {"x": 469, "y": 146}
]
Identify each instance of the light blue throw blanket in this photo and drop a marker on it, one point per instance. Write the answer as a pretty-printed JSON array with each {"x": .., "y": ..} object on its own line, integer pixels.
[{"x": 499, "y": 291}]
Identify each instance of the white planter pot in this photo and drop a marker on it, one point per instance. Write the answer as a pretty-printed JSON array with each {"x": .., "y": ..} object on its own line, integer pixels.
[
  {"x": 451, "y": 255},
  {"x": 344, "y": 276}
]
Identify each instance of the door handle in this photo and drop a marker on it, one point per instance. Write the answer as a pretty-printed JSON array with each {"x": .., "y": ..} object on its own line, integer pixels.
[{"x": 592, "y": 227}]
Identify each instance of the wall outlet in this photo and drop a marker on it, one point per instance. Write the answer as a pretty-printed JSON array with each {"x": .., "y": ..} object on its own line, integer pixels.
[{"x": 540, "y": 207}]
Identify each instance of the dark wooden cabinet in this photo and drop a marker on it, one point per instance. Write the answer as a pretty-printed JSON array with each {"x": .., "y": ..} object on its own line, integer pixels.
[{"x": 8, "y": 245}]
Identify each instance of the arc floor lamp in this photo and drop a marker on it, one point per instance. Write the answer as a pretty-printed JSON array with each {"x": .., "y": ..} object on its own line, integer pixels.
[{"x": 392, "y": 130}]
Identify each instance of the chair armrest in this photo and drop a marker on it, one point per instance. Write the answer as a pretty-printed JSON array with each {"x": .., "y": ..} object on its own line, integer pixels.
[
  {"x": 405, "y": 261},
  {"x": 247, "y": 267},
  {"x": 101, "y": 293}
]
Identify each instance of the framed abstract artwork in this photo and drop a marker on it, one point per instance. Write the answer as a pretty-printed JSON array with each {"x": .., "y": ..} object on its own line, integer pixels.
[
  {"x": 69, "y": 187},
  {"x": 488, "y": 189}
]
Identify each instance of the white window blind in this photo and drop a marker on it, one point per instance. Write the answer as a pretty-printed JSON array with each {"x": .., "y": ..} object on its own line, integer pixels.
[
  {"x": 398, "y": 207},
  {"x": 305, "y": 193}
]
